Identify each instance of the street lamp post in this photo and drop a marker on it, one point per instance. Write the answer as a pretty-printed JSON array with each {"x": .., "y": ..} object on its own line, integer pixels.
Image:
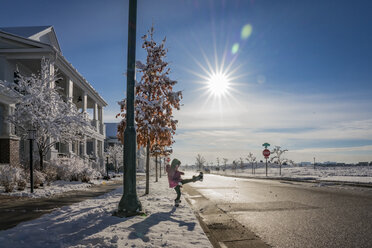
[
  {"x": 129, "y": 204},
  {"x": 31, "y": 137},
  {"x": 107, "y": 162}
]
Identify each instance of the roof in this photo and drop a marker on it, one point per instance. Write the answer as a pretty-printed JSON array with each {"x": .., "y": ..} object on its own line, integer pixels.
[{"x": 25, "y": 32}]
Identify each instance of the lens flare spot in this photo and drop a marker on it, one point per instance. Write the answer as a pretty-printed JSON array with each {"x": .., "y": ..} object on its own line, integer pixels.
[
  {"x": 235, "y": 48},
  {"x": 246, "y": 31}
]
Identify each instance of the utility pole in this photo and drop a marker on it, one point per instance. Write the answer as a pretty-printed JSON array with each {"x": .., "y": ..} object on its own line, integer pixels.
[
  {"x": 129, "y": 204},
  {"x": 314, "y": 163}
]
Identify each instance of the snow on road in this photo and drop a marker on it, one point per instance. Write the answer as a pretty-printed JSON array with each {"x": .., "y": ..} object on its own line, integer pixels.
[
  {"x": 90, "y": 224},
  {"x": 357, "y": 174}
]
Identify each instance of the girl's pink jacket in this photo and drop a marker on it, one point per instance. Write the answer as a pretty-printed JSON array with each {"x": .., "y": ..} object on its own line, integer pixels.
[{"x": 174, "y": 176}]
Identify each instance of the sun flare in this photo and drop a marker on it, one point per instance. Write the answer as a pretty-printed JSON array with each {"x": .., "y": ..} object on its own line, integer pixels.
[{"x": 218, "y": 84}]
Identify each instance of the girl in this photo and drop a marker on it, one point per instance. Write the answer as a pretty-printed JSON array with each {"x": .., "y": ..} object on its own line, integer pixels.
[{"x": 175, "y": 180}]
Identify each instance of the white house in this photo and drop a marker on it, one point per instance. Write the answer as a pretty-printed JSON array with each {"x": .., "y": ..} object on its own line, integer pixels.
[{"x": 23, "y": 48}]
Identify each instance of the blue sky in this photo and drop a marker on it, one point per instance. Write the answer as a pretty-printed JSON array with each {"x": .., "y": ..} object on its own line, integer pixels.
[{"x": 301, "y": 80}]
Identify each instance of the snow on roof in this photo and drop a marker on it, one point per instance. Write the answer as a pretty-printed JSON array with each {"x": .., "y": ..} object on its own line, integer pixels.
[{"x": 25, "y": 32}]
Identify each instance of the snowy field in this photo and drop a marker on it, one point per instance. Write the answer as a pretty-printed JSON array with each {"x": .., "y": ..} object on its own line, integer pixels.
[
  {"x": 90, "y": 224},
  {"x": 357, "y": 174}
]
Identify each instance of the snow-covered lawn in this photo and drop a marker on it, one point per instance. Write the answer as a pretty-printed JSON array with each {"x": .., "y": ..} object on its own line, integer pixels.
[
  {"x": 90, "y": 224},
  {"x": 358, "y": 174},
  {"x": 57, "y": 187}
]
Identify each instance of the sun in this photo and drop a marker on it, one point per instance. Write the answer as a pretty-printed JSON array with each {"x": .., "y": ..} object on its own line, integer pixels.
[{"x": 218, "y": 84}]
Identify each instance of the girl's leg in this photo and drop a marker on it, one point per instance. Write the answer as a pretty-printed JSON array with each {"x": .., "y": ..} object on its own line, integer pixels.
[
  {"x": 184, "y": 181},
  {"x": 193, "y": 179},
  {"x": 178, "y": 191}
]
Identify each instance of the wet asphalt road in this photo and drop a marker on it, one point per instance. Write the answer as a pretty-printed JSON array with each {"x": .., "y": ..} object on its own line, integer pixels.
[{"x": 292, "y": 214}]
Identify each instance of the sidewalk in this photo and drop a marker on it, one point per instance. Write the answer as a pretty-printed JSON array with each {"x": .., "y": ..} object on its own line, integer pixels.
[{"x": 90, "y": 224}]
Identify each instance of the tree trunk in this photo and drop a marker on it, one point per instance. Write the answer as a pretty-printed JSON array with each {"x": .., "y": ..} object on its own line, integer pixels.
[
  {"x": 280, "y": 169},
  {"x": 147, "y": 167},
  {"x": 252, "y": 168},
  {"x": 156, "y": 168},
  {"x": 160, "y": 169},
  {"x": 41, "y": 160}
]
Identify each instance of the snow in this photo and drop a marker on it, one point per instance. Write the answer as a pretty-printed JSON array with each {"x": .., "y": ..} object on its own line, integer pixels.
[
  {"x": 55, "y": 188},
  {"x": 90, "y": 224},
  {"x": 350, "y": 174}
]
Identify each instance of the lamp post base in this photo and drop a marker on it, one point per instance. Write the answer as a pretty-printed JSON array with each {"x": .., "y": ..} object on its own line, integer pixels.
[{"x": 129, "y": 205}]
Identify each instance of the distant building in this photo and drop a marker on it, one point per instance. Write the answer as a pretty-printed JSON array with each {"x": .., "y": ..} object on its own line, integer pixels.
[
  {"x": 112, "y": 139},
  {"x": 362, "y": 164},
  {"x": 329, "y": 163}
]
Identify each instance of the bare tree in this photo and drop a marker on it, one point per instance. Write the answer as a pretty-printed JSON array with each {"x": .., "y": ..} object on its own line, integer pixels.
[
  {"x": 200, "y": 161},
  {"x": 115, "y": 154},
  {"x": 277, "y": 158},
  {"x": 235, "y": 165},
  {"x": 241, "y": 163},
  {"x": 251, "y": 159},
  {"x": 224, "y": 163}
]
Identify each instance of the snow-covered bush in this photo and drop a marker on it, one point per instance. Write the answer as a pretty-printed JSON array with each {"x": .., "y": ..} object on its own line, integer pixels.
[
  {"x": 39, "y": 179},
  {"x": 10, "y": 176},
  {"x": 50, "y": 172},
  {"x": 75, "y": 169},
  {"x": 115, "y": 154},
  {"x": 21, "y": 184}
]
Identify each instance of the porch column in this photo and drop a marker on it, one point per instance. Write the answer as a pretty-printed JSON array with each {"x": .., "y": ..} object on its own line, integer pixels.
[
  {"x": 95, "y": 115},
  {"x": 84, "y": 143},
  {"x": 77, "y": 143},
  {"x": 70, "y": 89},
  {"x": 51, "y": 74},
  {"x": 85, "y": 102},
  {"x": 100, "y": 119},
  {"x": 94, "y": 147},
  {"x": 70, "y": 93},
  {"x": 8, "y": 125},
  {"x": 102, "y": 149}
]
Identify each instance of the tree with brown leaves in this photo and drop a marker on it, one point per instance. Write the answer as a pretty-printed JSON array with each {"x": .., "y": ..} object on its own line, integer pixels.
[{"x": 155, "y": 101}]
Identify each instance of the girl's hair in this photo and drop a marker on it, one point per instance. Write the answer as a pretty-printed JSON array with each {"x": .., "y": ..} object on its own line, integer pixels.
[{"x": 174, "y": 163}]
